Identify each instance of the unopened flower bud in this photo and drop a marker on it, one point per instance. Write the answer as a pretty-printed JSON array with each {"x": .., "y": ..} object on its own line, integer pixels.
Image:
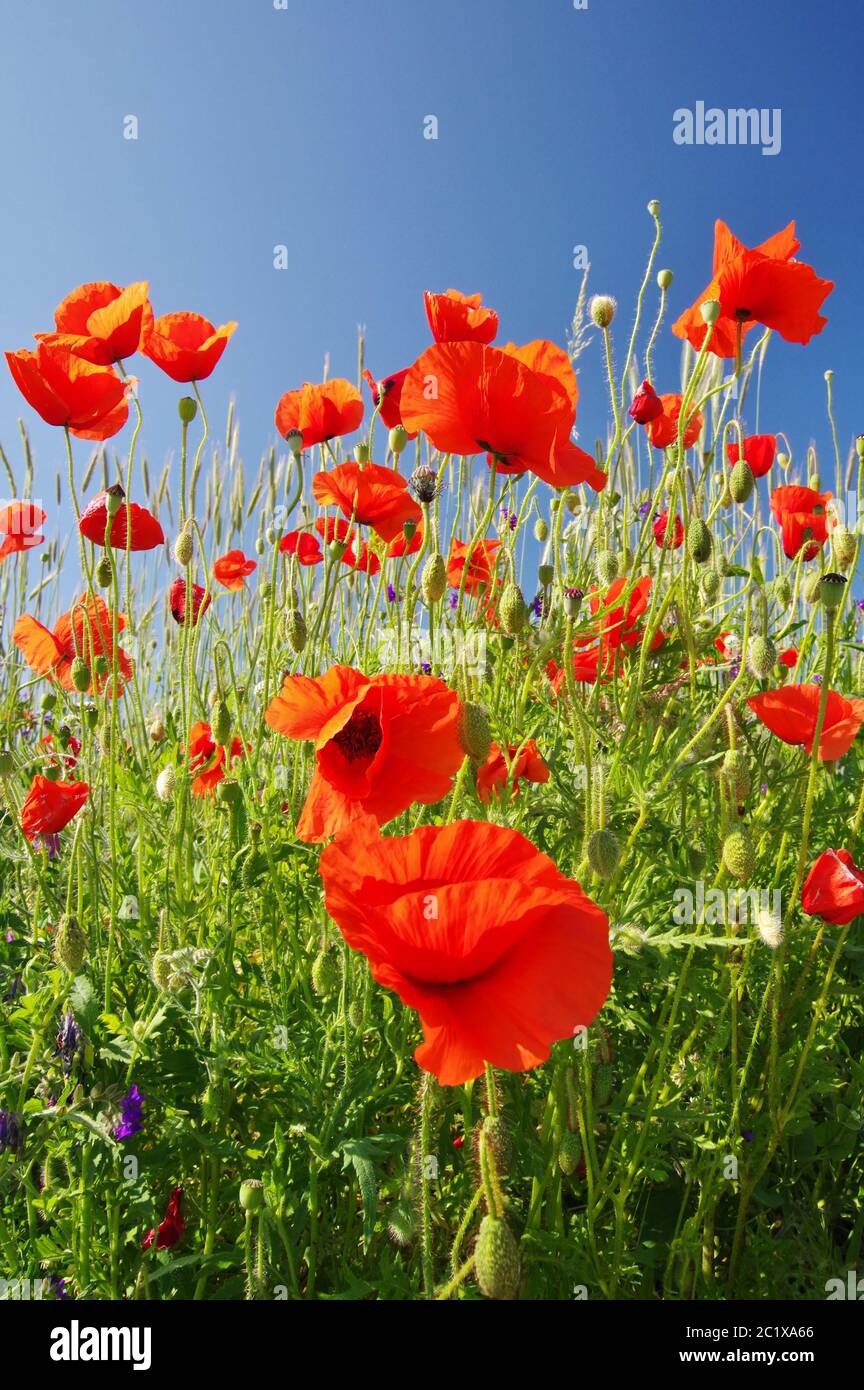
[
  {"x": 782, "y": 591},
  {"x": 664, "y": 279},
  {"x": 699, "y": 542},
  {"x": 513, "y": 610},
  {"x": 541, "y": 530},
  {"x": 183, "y": 546},
  {"x": 603, "y": 853},
  {"x": 545, "y": 573},
  {"x": 607, "y": 566},
  {"x": 103, "y": 572},
  {"x": 761, "y": 657},
  {"x": 325, "y": 974},
  {"x": 80, "y": 673},
  {"x": 569, "y": 1152},
  {"x": 843, "y": 544},
  {"x": 739, "y": 856},
  {"x": 165, "y": 783},
  {"x": 70, "y": 944},
  {"x": 433, "y": 580},
  {"x": 496, "y": 1259},
  {"x": 220, "y": 724},
  {"x": 741, "y": 481},
  {"x": 602, "y": 308},
  {"x": 475, "y": 734},
  {"x": 295, "y": 630}
]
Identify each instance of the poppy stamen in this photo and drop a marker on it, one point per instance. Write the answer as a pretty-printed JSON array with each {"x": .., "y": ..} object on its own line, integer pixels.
[{"x": 361, "y": 737}]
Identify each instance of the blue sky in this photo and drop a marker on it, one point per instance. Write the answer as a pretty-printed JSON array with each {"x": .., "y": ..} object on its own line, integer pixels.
[{"x": 304, "y": 127}]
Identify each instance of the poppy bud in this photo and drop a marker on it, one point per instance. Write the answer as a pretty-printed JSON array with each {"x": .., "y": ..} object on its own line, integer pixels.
[
  {"x": 761, "y": 657},
  {"x": 294, "y": 440},
  {"x": 811, "y": 590},
  {"x": 646, "y": 405},
  {"x": 513, "y": 610},
  {"x": 737, "y": 772},
  {"x": 496, "y": 1259},
  {"x": 220, "y": 724},
  {"x": 259, "y": 546},
  {"x": 160, "y": 970},
  {"x": 602, "y": 308},
  {"x": 187, "y": 409},
  {"x": 664, "y": 279},
  {"x": 157, "y": 728},
  {"x": 541, "y": 530},
  {"x": 654, "y": 207},
  {"x": 48, "y": 701},
  {"x": 70, "y": 944},
  {"x": 572, "y": 601},
  {"x": 843, "y": 544},
  {"x": 398, "y": 439},
  {"x": 433, "y": 580},
  {"x": 782, "y": 590},
  {"x": 402, "y": 1224},
  {"x": 739, "y": 856},
  {"x": 698, "y": 542},
  {"x": 607, "y": 566},
  {"x": 710, "y": 311},
  {"x": 295, "y": 630},
  {"x": 783, "y": 461},
  {"x": 545, "y": 573},
  {"x": 103, "y": 572},
  {"x": 91, "y": 716},
  {"x": 741, "y": 481},
  {"x": 325, "y": 974},
  {"x": 601, "y": 1088},
  {"x": 80, "y": 674},
  {"x": 500, "y": 1141},
  {"x": 569, "y": 1152},
  {"x": 101, "y": 664},
  {"x": 252, "y": 1195},
  {"x": 165, "y": 783},
  {"x": 335, "y": 550},
  {"x": 475, "y": 734},
  {"x": 183, "y": 547},
  {"x": 831, "y": 590},
  {"x": 52, "y": 772},
  {"x": 265, "y": 589},
  {"x": 603, "y": 853}
]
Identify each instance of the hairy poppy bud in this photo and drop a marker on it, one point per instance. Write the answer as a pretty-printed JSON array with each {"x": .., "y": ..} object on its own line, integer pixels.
[
  {"x": 295, "y": 629},
  {"x": 398, "y": 439},
  {"x": 325, "y": 974},
  {"x": 402, "y": 1224},
  {"x": 541, "y": 530},
  {"x": 603, "y": 853},
  {"x": 220, "y": 724},
  {"x": 496, "y": 1259},
  {"x": 165, "y": 783},
  {"x": 831, "y": 590},
  {"x": 433, "y": 580},
  {"x": 252, "y": 1195},
  {"x": 843, "y": 544},
  {"x": 782, "y": 590},
  {"x": 741, "y": 481},
  {"x": 294, "y": 440},
  {"x": 761, "y": 657},
  {"x": 737, "y": 772},
  {"x": 160, "y": 970},
  {"x": 475, "y": 734},
  {"x": 698, "y": 542},
  {"x": 710, "y": 311},
  {"x": 739, "y": 855},
  {"x": 607, "y": 566},
  {"x": 80, "y": 673},
  {"x": 500, "y": 1142},
  {"x": 569, "y": 1152},
  {"x": 601, "y": 1088},
  {"x": 187, "y": 409},
  {"x": 183, "y": 548},
  {"x": 513, "y": 610},
  {"x": 602, "y": 308},
  {"x": 811, "y": 589},
  {"x": 646, "y": 405},
  {"x": 103, "y": 572},
  {"x": 664, "y": 279},
  {"x": 545, "y": 573},
  {"x": 70, "y": 944}
]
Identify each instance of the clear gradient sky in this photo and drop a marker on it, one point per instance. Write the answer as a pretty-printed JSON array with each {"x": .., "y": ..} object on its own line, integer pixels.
[{"x": 303, "y": 126}]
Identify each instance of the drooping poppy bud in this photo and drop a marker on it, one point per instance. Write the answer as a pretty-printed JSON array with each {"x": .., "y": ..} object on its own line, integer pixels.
[{"x": 646, "y": 405}]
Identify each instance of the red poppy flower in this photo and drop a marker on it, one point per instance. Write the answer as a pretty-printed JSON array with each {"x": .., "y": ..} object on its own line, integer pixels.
[
  {"x": 86, "y": 631},
  {"x": 145, "y": 533},
  {"x": 646, "y": 405},
  {"x": 469, "y": 399},
  {"x": 171, "y": 1228},
  {"x": 232, "y": 569},
  {"x": 668, "y": 535},
  {"x": 459, "y": 318},
  {"x": 207, "y": 759},
  {"x": 381, "y": 743},
  {"x": 759, "y": 451},
  {"x": 765, "y": 285},
  {"x": 473, "y": 927},
  {"x": 20, "y": 526},
  {"x": 186, "y": 346},
  {"x": 586, "y": 668},
  {"x": 102, "y": 322},
  {"x": 67, "y": 390},
  {"x": 525, "y": 763},
  {"x": 387, "y": 392},
  {"x": 802, "y": 515},
  {"x": 303, "y": 545},
  {"x": 49, "y": 806},
  {"x": 791, "y": 714},
  {"x": 480, "y": 567},
  {"x": 663, "y": 429},
  {"x": 320, "y": 412},
  {"x": 177, "y": 601},
  {"x": 834, "y": 888},
  {"x": 789, "y": 657},
  {"x": 368, "y": 494},
  {"x": 335, "y": 529}
]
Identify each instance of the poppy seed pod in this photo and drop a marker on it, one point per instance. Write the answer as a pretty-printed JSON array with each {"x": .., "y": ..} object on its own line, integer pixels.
[
  {"x": 739, "y": 856},
  {"x": 294, "y": 440},
  {"x": 607, "y": 567},
  {"x": 187, "y": 409},
  {"x": 603, "y": 853},
  {"x": 80, "y": 674},
  {"x": 398, "y": 439},
  {"x": 252, "y": 1195},
  {"x": 569, "y": 1152},
  {"x": 335, "y": 551},
  {"x": 654, "y": 207},
  {"x": 572, "y": 601},
  {"x": 761, "y": 657},
  {"x": 664, "y": 279},
  {"x": 513, "y": 610},
  {"x": 103, "y": 572},
  {"x": 70, "y": 944},
  {"x": 496, "y": 1259},
  {"x": 475, "y": 735},
  {"x": 741, "y": 481},
  {"x": 710, "y": 311},
  {"x": 831, "y": 589},
  {"x": 409, "y": 529},
  {"x": 114, "y": 499},
  {"x": 602, "y": 309},
  {"x": 541, "y": 530},
  {"x": 698, "y": 542},
  {"x": 433, "y": 580}
]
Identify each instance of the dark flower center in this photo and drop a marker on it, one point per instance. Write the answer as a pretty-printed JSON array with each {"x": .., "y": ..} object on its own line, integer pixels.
[{"x": 361, "y": 737}]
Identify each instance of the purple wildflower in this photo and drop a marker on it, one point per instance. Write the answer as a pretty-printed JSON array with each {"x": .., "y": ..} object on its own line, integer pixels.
[
  {"x": 11, "y": 1132},
  {"x": 131, "y": 1120},
  {"x": 70, "y": 1043},
  {"x": 391, "y": 594},
  {"x": 426, "y": 667},
  {"x": 50, "y": 843},
  {"x": 58, "y": 1288},
  {"x": 454, "y": 599}
]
